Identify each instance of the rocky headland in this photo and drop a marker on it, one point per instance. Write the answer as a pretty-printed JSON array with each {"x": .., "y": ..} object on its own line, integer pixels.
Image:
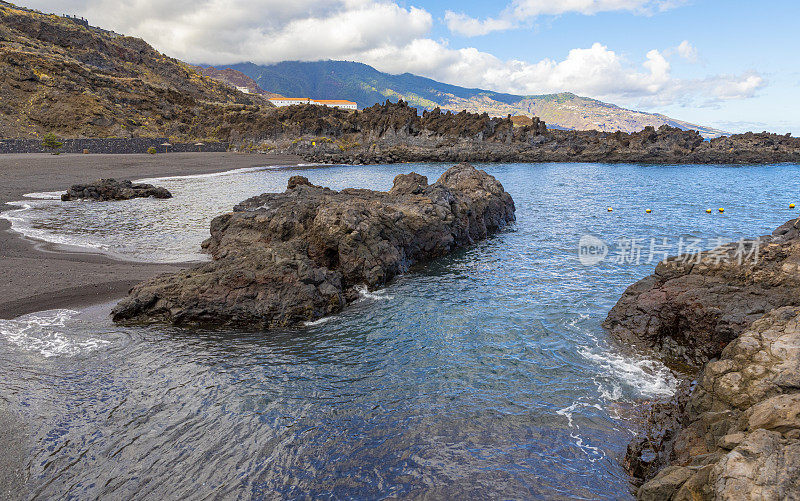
[
  {"x": 397, "y": 132},
  {"x": 111, "y": 189},
  {"x": 733, "y": 314},
  {"x": 280, "y": 259}
]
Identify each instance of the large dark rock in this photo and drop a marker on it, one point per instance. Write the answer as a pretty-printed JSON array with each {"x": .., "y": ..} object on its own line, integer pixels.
[
  {"x": 738, "y": 436},
  {"x": 284, "y": 258},
  {"x": 111, "y": 189},
  {"x": 694, "y": 305},
  {"x": 735, "y": 315}
]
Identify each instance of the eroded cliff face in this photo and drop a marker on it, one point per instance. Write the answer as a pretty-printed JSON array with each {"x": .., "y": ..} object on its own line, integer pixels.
[
  {"x": 280, "y": 259},
  {"x": 58, "y": 75},
  {"x": 739, "y": 437},
  {"x": 694, "y": 305},
  {"x": 735, "y": 315}
]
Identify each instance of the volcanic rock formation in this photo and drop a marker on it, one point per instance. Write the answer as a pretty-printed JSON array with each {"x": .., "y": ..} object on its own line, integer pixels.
[
  {"x": 111, "y": 189},
  {"x": 735, "y": 312},
  {"x": 280, "y": 259}
]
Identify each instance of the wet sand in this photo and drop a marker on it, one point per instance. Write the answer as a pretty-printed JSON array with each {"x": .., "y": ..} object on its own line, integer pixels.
[{"x": 38, "y": 276}]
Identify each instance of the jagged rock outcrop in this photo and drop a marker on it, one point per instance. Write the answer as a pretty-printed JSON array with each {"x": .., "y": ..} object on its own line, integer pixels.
[
  {"x": 280, "y": 259},
  {"x": 694, "y": 305},
  {"x": 740, "y": 433},
  {"x": 735, "y": 312},
  {"x": 111, "y": 189},
  {"x": 396, "y": 132}
]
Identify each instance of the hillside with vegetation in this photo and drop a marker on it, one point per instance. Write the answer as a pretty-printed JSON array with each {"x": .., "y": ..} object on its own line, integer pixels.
[
  {"x": 366, "y": 86},
  {"x": 235, "y": 78},
  {"x": 60, "y": 75}
]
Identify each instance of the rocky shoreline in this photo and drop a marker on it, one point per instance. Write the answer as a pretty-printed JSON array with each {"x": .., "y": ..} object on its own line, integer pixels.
[
  {"x": 281, "y": 259},
  {"x": 396, "y": 132},
  {"x": 733, "y": 313}
]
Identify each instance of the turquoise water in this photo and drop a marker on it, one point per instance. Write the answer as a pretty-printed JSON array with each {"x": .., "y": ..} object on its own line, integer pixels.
[{"x": 482, "y": 374}]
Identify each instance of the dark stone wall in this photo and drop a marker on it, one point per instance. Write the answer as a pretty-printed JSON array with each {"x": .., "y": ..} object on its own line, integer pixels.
[{"x": 110, "y": 145}]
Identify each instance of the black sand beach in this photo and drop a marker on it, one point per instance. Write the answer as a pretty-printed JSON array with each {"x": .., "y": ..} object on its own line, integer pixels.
[{"x": 38, "y": 276}]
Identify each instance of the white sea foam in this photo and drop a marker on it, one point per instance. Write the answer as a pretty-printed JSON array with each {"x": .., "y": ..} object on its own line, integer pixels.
[
  {"x": 44, "y": 195},
  {"x": 22, "y": 223},
  {"x": 649, "y": 377},
  {"x": 243, "y": 170},
  {"x": 568, "y": 411},
  {"x": 44, "y": 333},
  {"x": 378, "y": 295},
  {"x": 593, "y": 453},
  {"x": 313, "y": 323}
]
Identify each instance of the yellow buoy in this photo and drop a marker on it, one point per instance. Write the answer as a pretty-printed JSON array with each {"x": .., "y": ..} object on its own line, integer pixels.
[
  {"x": 708, "y": 211},
  {"x": 610, "y": 209},
  {"x": 721, "y": 209},
  {"x": 791, "y": 206},
  {"x": 648, "y": 211}
]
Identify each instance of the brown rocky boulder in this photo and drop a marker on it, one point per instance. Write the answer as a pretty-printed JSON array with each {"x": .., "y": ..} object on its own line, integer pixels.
[
  {"x": 280, "y": 259},
  {"x": 740, "y": 437}
]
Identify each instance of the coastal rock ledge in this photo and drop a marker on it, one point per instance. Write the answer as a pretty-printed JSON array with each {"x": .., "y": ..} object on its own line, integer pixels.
[
  {"x": 735, "y": 432},
  {"x": 111, "y": 189},
  {"x": 280, "y": 259}
]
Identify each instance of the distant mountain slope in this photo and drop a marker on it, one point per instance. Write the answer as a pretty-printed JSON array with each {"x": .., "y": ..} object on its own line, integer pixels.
[
  {"x": 58, "y": 74},
  {"x": 235, "y": 78},
  {"x": 365, "y": 85}
]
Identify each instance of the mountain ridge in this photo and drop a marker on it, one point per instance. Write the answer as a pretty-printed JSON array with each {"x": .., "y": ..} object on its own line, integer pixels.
[
  {"x": 59, "y": 74},
  {"x": 366, "y": 86}
]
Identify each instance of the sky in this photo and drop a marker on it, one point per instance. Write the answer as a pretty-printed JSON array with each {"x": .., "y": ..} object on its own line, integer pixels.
[{"x": 730, "y": 64}]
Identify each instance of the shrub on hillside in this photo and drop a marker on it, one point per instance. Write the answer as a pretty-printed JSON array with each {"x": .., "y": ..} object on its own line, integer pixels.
[{"x": 51, "y": 142}]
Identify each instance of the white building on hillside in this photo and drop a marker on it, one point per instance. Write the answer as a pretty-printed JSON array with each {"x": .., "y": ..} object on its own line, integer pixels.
[
  {"x": 333, "y": 103},
  {"x": 243, "y": 89}
]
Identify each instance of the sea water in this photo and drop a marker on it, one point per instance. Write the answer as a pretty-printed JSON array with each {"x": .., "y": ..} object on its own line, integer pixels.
[{"x": 482, "y": 374}]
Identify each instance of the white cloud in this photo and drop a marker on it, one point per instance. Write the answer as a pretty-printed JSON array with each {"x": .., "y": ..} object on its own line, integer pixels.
[
  {"x": 520, "y": 11},
  {"x": 229, "y": 31},
  {"x": 596, "y": 71},
  {"x": 396, "y": 40},
  {"x": 687, "y": 51},
  {"x": 729, "y": 87},
  {"x": 471, "y": 27}
]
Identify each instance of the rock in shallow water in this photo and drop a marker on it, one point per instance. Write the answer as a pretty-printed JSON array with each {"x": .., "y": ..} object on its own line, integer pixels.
[
  {"x": 111, "y": 189},
  {"x": 280, "y": 259}
]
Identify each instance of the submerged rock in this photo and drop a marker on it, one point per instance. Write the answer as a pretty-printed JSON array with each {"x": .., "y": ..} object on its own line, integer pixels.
[
  {"x": 111, "y": 189},
  {"x": 280, "y": 259},
  {"x": 736, "y": 434}
]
